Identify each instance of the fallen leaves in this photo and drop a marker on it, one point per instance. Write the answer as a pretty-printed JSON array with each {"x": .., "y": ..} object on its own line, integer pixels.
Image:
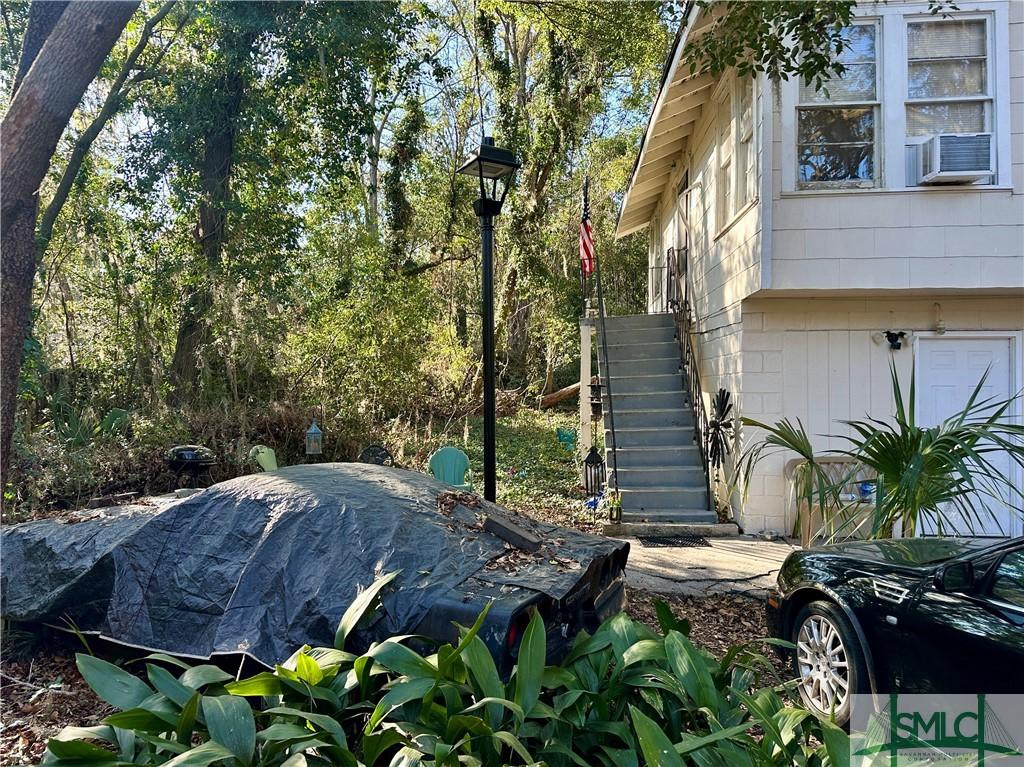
[{"x": 40, "y": 697}]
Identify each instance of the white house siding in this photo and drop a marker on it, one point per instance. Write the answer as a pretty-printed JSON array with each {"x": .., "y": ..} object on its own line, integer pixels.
[
  {"x": 899, "y": 238},
  {"x": 789, "y": 322},
  {"x": 725, "y": 264},
  {"x": 822, "y": 360}
]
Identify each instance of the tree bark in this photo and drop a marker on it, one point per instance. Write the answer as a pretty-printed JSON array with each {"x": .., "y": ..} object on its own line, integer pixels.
[
  {"x": 42, "y": 17},
  {"x": 210, "y": 234},
  {"x": 67, "y": 61}
]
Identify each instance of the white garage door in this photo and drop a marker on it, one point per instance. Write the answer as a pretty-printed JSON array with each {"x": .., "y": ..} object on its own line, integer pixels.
[{"x": 948, "y": 369}]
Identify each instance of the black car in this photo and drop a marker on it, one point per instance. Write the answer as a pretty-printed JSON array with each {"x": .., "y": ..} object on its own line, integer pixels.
[
  {"x": 921, "y": 615},
  {"x": 260, "y": 565}
]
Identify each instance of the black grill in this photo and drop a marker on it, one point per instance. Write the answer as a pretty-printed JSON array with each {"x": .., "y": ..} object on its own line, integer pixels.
[{"x": 690, "y": 541}]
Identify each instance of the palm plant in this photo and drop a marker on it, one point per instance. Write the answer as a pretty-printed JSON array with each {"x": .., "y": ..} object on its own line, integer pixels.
[{"x": 944, "y": 478}]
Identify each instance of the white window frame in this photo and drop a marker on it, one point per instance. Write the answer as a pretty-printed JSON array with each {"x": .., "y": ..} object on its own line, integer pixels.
[
  {"x": 875, "y": 104},
  {"x": 725, "y": 154},
  {"x": 728, "y": 169},
  {"x": 892, "y": 139},
  {"x": 988, "y": 99},
  {"x": 746, "y": 172}
]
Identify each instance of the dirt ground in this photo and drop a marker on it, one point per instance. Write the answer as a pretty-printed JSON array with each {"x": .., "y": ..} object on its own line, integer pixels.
[{"x": 40, "y": 696}]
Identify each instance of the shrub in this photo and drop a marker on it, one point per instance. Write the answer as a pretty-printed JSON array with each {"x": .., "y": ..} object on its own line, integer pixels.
[{"x": 624, "y": 697}]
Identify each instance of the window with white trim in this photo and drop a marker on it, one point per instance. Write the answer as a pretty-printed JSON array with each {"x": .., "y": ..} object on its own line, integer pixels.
[
  {"x": 949, "y": 91},
  {"x": 837, "y": 126},
  {"x": 746, "y": 157},
  {"x": 724, "y": 179}
]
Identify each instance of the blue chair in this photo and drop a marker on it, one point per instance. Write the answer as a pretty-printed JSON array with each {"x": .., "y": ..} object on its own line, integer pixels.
[{"x": 450, "y": 465}]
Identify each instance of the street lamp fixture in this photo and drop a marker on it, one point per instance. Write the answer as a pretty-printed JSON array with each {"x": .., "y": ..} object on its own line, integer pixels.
[{"x": 494, "y": 168}]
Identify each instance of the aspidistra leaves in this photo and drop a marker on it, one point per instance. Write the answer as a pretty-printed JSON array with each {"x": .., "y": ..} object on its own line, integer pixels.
[{"x": 624, "y": 697}]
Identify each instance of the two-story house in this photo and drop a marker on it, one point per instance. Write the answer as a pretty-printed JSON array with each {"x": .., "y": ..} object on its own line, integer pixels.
[{"x": 827, "y": 234}]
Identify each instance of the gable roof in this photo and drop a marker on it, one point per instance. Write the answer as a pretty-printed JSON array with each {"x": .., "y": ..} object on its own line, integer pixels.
[{"x": 680, "y": 102}]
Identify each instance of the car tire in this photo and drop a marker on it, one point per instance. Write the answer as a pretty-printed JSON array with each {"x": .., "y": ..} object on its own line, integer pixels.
[{"x": 828, "y": 655}]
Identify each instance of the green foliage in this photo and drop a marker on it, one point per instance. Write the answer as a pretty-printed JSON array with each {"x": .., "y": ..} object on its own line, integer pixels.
[
  {"x": 797, "y": 38},
  {"x": 941, "y": 476},
  {"x": 623, "y": 696}
]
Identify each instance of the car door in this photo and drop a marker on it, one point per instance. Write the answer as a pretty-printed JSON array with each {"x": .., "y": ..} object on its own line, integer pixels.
[{"x": 970, "y": 642}]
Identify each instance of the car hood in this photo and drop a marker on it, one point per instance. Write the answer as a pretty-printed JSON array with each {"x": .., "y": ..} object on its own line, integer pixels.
[{"x": 908, "y": 552}]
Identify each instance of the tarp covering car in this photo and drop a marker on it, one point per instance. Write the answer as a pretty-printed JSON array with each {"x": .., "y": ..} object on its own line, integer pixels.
[{"x": 264, "y": 563}]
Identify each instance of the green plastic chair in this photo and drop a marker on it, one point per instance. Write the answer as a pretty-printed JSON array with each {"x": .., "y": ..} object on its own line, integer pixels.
[
  {"x": 567, "y": 439},
  {"x": 264, "y": 457},
  {"x": 450, "y": 465}
]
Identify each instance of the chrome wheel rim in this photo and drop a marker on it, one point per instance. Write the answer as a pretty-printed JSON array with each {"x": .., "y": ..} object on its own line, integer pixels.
[{"x": 823, "y": 664}]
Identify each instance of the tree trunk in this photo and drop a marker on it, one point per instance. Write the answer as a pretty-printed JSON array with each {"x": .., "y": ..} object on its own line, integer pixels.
[
  {"x": 42, "y": 18},
  {"x": 218, "y": 161},
  {"x": 53, "y": 85}
]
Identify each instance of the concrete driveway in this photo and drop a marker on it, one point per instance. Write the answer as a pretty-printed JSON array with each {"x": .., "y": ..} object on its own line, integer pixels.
[{"x": 742, "y": 565}]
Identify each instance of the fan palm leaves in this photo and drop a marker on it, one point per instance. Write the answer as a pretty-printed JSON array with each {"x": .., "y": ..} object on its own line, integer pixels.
[{"x": 948, "y": 478}]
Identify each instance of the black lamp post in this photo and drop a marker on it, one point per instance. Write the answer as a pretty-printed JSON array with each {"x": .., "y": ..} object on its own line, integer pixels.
[{"x": 494, "y": 168}]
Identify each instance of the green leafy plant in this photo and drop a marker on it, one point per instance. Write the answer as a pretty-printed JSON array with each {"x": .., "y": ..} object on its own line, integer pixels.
[
  {"x": 945, "y": 477},
  {"x": 625, "y": 695}
]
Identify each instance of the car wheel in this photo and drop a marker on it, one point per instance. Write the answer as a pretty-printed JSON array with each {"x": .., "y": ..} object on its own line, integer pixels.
[{"x": 828, "y": 661}]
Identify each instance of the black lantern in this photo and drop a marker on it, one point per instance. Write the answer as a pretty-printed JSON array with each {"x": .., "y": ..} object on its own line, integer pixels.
[
  {"x": 595, "y": 401},
  {"x": 494, "y": 168},
  {"x": 593, "y": 473}
]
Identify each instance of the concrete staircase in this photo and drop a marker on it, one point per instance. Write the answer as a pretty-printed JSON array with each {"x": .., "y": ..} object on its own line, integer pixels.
[{"x": 661, "y": 479}]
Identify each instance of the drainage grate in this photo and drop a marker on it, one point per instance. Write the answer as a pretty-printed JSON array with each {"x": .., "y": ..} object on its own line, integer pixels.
[{"x": 674, "y": 540}]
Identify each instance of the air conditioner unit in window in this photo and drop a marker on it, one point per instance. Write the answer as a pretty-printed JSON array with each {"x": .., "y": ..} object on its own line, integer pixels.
[{"x": 956, "y": 158}]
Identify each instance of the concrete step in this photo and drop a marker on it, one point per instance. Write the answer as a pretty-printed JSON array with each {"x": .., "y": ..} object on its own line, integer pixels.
[
  {"x": 648, "y": 457},
  {"x": 624, "y": 402},
  {"x": 638, "y": 321},
  {"x": 642, "y": 350},
  {"x": 633, "y": 478},
  {"x": 633, "y": 528},
  {"x": 670, "y": 417},
  {"x": 629, "y": 335},
  {"x": 651, "y": 366},
  {"x": 642, "y": 382},
  {"x": 651, "y": 436},
  {"x": 640, "y": 500}
]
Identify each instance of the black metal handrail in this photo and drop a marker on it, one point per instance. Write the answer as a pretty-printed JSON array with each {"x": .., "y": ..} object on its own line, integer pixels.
[
  {"x": 681, "y": 306},
  {"x": 606, "y": 374}
]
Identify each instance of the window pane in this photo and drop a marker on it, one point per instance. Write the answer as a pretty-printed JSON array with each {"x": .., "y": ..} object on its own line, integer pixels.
[
  {"x": 857, "y": 83},
  {"x": 836, "y": 163},
  {"x": 926, "y": 119},
  {"x": 837, "y": 126},
  {"x": 946, "y": 77},
  {"x": 945, "y": 39},
  {"x": 746, "y": 110},
  {"x": 860, "y": 47},
  {"x": 836, "y": 145}
]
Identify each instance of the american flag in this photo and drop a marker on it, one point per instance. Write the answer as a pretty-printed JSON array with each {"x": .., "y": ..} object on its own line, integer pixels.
[{"x": 586, "y": 238}]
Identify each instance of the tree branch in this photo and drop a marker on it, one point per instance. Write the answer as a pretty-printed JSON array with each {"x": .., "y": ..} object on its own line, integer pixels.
[
  {"x": 412, "y": 271},
  {"x": 84, "y": 142}
]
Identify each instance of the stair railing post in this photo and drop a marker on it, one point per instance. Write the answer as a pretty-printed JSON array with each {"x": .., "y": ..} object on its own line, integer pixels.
[
  {"x": 685, "y": 321},
  {"x": 606, "y": 374}
]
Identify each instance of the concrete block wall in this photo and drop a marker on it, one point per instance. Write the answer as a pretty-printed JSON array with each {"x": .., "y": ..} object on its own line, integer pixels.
[{"x": 821, "y": 360}]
